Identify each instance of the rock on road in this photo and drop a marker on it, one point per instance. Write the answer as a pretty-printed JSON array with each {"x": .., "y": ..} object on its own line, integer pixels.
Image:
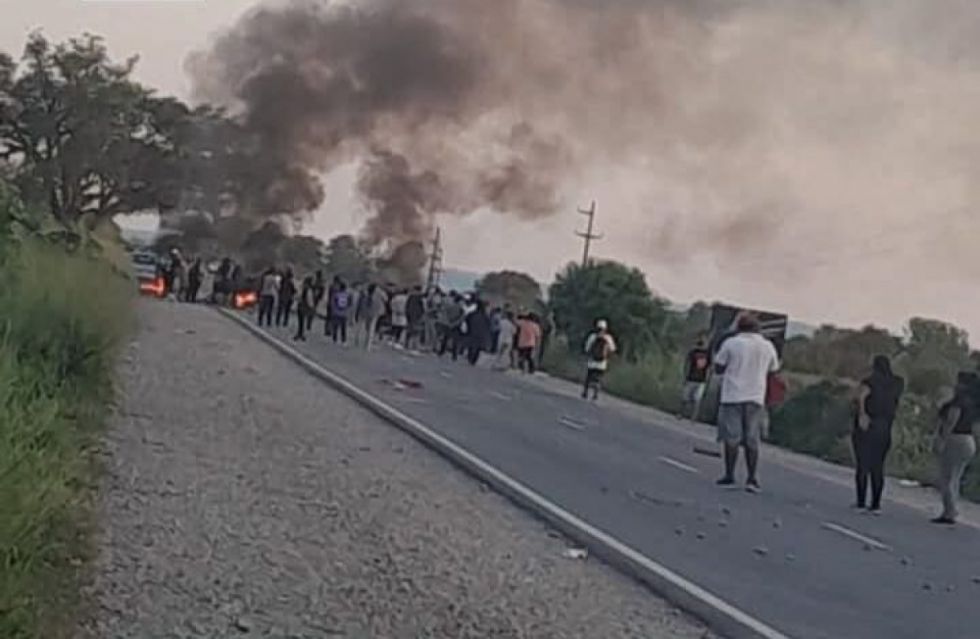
[{"x": 245, "y": 498}]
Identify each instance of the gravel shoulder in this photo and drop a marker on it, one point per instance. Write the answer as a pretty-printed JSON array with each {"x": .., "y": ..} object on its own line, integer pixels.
[{"x": 242, "y": 497}]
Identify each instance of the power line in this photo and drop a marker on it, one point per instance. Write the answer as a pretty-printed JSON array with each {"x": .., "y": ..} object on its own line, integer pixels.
[
  {"x": 435, "y": 262},
  {"x": 588, "y": 235}
]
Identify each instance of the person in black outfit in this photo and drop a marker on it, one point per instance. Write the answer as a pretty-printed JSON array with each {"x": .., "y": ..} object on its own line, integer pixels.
[
  {"x": 877, "y": 406},
  {"x": 304, "y": 310},
  {"x": 194, "y": 275},
  {"x": 287, "y": 292},
  {"x": 477, "y": 333}
]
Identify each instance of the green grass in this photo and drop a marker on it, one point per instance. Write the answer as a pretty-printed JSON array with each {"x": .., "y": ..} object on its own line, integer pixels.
[{"x": 61, "y": 319}]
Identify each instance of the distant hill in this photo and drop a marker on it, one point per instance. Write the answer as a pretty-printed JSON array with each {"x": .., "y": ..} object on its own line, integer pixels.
[{"x": 459, "y": 280}]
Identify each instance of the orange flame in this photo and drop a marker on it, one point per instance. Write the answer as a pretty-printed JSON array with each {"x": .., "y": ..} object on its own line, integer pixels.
[
  {"x": 245, "y": 298},
  {"x": 154, "y": 287}
]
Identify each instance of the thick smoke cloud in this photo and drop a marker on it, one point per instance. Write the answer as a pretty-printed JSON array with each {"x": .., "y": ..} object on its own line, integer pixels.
[{"x": 739, "y": 129}]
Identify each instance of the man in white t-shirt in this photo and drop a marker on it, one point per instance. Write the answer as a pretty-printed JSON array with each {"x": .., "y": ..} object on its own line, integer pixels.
[{"x": 745, "y": 360}]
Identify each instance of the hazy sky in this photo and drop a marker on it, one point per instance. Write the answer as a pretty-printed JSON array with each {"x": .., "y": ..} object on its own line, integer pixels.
[{"x": 898, "y": 227}]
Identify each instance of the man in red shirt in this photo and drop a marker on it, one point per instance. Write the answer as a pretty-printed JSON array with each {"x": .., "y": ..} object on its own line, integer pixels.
[{"x": 528, "y": 339}]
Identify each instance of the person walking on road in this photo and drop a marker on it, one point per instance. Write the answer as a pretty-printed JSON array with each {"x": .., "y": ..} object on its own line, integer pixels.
[
  {"x": 452, "y": 317},
  {"x": 328, "y": 306},
  {"x": 304, "y": 309},
  {"x": 528, "y": 340},
  {"x": 745, "y": 362},
  {"x": 877, "y": 405},
  {"x": 399, "y": 316},
  {"x": 319, "y": 291},
  {"x": 268, "y": 289},
  {"x": 415, "y": 314},
  {"x": 505, "y": 342},
  {"x": 287, "y": 292},
  {"x": 955, "y": 445},
  {"x": 339, "y": 308},
  {"x": 599, "y": 347},
  {"x": 194, "y": 276},
  {"x": 478, "y": 333},
  {"x": 371, "y": 308},
  {"x": 697, "y": 365}
]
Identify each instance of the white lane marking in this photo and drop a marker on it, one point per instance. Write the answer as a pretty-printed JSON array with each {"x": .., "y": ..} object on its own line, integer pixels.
[
  {"x": 853, "y": 534},
  {"x": 571, "y": 423},
  {"x": 528, "y": 495},
  {"x": 677, "y": 464}
]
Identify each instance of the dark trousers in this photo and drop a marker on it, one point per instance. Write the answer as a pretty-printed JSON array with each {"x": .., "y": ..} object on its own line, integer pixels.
[
  {"x": 304, "y": 317},
  {"x": 267, "y": 305},
  {"x": 192, "y": 289},
  {"x": 473, "y": 355},
  {"x": 525, "y": 359},
  {"x": 338, "y": 329},
  {"x": 451, "y": 339},
  {"x": 870, "y": 450},
  {"x": 284, "y": 310},
  {"x": 593, "y": 381}
]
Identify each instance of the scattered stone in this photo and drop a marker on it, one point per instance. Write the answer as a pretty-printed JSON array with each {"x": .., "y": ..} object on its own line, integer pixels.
[
  {"x": 679, "y": 531},
  {"x": 868, "y": 547},
  {"x": 243, "y": 624},
  {"x": 950, "y": 588},
  {"x": 726, "y": 511},
  {"x": 976, "y": 579},
  {"x": 926, "y": 586},
  {"x": 905, "y": 561},
  {"x": 762, "y": 551},
  {"x": 790, "y": 557},
  {"x": 777, "y": 523},
  {"x": 575, "y": 553},
  {"x": 723, "y": 523},
  {"x": 700, "y": 535}
]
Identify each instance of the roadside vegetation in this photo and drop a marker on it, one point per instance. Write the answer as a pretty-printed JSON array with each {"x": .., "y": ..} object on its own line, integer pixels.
[{"x": 63, "y": 311}]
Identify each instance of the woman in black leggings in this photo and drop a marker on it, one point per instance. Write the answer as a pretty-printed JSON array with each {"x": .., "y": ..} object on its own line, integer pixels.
[{"x": 877, "y": 405}]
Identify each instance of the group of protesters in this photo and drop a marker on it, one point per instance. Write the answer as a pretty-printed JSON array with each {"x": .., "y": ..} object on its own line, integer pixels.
[
  {"x": 747, "y": 364},
  {"x": 446, "y": 323}
]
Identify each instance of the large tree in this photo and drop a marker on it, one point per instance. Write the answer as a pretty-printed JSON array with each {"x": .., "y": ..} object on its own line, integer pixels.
[
  {"x": 520, "y": 290},
  {"x": 78, "y": 135},
  {"x": 612, "y": 291}
]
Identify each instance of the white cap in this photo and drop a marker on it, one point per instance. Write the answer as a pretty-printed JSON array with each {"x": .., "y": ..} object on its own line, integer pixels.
[{"x": 602, "y": 325}]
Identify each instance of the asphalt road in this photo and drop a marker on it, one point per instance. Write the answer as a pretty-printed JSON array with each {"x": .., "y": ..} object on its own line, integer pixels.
[{"x": 795, "y": 557}]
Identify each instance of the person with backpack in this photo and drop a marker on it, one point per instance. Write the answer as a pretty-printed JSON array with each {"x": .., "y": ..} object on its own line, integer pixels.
[
  {"x": 877, "y": 405},
  {"x": 340, "y": 303},
  {"x": 955, "y": 446},
  {"x": 599, "y": 346}
]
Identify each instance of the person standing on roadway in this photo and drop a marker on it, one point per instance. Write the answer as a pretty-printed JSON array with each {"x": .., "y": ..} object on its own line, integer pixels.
[
  {"x": 528, "y": 340},
  {"x": 955, "y": 445},
  {"x": 599, "y": 347},
  {"x": 877, "y": 405},
  {"x": 505, "y": 342},
  {"x": 286, "y": 293},
  {"x": 697, "y": 365},
  {"x": 305, "y": 308},
  {"x": 745, "y": 362},
  {"x": 268, "y": 288},
  {"x": 373, "y": 304},
  {"x": 340, "y": 304}
]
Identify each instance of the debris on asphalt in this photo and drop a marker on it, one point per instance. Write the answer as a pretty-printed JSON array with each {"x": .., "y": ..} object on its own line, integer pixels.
[
  {"x": 640, "y": 496},
  {"x": 976, "y": 579},
  {"x": 565, "y": 420},
  {"x": 243, "y": 624},
  {"x": 777, "y": 523},
  {"x": 762, "y": 551},
  {"x": 725, "y": 510},
  {"x": 723, "y": 523},
  {"x": 790, "y": 557},
  {"x": 575, "y": 553},
  {"x": 926, "y": 586},
  {"x": 700, "y": 535},
  {"x": 410, "y": 383},
  {"x": 679, "y": 531},
  {"x": 910, "y": 483},
  {"x": 707, "y": 451},
  {"x": 905, "y": 561}
]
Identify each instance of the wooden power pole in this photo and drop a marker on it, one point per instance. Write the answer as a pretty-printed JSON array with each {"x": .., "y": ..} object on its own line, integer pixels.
[{"x": 588, "y": 235}]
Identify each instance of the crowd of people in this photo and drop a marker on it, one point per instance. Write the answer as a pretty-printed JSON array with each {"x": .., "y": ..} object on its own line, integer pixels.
[
  {"x": 464, "y": 325},
  {"x": 449, "y": 323}
]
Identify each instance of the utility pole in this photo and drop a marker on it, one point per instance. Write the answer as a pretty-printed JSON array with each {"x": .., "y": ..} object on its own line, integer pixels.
[
  {"x": 588, "y": 235},
  {"x": 435, "y": 262}
]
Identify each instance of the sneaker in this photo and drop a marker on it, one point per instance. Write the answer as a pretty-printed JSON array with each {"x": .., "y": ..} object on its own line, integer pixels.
[
  {"x": 726, "y": 481},
  {"x": 752, "y": 486},
  {"x": 946, "y": 521},
  {"x": 875, "y": 511}
]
